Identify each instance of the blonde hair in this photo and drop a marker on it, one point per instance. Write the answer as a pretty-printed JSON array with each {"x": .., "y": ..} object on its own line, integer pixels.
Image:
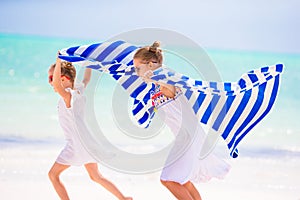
[
  {"x": 67, "y": 69},
  {"x": 150, "y": 53}
]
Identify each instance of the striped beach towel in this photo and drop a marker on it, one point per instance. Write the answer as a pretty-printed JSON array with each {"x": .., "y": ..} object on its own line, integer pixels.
[{"x": 232, "y": 109}]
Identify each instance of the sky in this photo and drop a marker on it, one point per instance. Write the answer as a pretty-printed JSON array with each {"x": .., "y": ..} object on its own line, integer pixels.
[{"x": 255, "y": 25}]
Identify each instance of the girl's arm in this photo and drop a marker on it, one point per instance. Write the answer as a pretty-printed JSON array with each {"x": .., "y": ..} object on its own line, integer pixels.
[
  {"x": 57, "y": 84},
  {"x": 87, "y": 76},
  {"x": 167, "y": 89}
]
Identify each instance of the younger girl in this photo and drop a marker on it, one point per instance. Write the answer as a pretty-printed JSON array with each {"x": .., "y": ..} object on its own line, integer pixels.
[
  {"x": 183, "y": 165},
  {"x": 71, "y": 111}
]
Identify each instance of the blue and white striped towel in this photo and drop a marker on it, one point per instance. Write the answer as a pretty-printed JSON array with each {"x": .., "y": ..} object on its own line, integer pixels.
[{"x": 231, "y": 108}]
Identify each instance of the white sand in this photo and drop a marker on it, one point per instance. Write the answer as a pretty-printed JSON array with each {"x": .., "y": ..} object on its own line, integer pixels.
[{"x": 23, "y": 175}]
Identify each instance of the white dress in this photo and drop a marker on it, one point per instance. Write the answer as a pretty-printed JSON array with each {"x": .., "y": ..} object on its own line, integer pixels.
[
  {"x": 183, "y": 163},
  {"x": 72, "y": 121}
]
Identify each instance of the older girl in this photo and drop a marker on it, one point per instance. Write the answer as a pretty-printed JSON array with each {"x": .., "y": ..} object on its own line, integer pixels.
[{"x": 183, "y": 165}]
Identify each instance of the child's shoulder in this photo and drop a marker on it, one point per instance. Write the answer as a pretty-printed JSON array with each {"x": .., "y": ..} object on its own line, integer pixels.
[{"x": 78, "y": 89}]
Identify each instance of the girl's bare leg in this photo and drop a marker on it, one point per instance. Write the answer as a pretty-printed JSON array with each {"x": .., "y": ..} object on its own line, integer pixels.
[
  {"x": 178, "y": 190},
  {"x": 95, "y": 175},
  {"x": 192, "y": 190},
  {"x": 54, "y": 174}
]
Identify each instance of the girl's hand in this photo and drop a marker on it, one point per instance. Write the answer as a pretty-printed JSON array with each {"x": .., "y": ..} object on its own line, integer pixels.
[
  {"x": 168, "y": 90},
  {"x": 147, "y": 77},
  {"x": 57, "y": 58}
]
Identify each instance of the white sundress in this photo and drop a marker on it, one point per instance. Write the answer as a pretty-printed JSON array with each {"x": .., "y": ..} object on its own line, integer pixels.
[
  {"x": 72, "y": 120},
  {"x": 183, "y": 163}
]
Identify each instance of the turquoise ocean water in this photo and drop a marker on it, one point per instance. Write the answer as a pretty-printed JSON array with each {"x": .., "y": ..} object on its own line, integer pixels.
[{"x": 28, "y": 103}]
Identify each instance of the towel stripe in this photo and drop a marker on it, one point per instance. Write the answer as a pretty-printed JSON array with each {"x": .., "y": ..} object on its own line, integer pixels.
[{"x": 231, "y": 108}]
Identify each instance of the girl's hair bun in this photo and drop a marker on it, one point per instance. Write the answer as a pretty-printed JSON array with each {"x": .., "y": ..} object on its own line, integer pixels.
[
  {"x": 67, "y": 64},
  {"x": 154, "y": 47}
]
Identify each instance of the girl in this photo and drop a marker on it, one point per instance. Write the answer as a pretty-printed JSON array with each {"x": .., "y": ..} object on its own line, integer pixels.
[
  {"x": 71, "y": 111},
  {"x": 183, "y": 165}
]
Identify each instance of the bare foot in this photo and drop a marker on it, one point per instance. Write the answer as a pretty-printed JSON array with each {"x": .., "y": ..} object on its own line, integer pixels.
[{"x": 128, "y": 198}]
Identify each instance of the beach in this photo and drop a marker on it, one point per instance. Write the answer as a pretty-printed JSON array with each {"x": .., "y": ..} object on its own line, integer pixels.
[
  {"x": 31, "y": 138},
  {"x": 24, "y": 170}
]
